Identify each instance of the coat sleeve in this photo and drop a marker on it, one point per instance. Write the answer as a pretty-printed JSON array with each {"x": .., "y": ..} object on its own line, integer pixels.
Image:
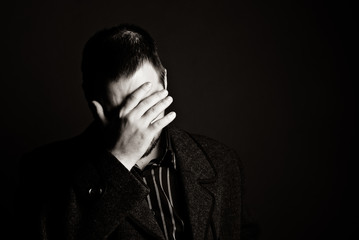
[
  {"x": 249, "y": 227},
  {"x": 116, "y": 192},
  {"x": 64, "y": 196},
  {"x": 237, "y": 223}
]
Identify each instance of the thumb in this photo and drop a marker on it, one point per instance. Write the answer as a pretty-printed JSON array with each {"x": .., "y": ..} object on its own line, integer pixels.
[{"x": 98, "y": 112}]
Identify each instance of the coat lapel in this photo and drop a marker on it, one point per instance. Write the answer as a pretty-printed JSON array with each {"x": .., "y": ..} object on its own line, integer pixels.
[
  {"x": 197, "y": 173},
  {"x": 107, "y": 210},
  {"x": 144, "y": 218}
]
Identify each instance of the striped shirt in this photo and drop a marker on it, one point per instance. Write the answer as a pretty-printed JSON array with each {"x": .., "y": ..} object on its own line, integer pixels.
[{"x": 161, "y": 178}]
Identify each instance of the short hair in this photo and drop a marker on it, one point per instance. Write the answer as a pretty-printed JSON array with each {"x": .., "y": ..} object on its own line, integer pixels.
[{"x": 113, "y": 53}]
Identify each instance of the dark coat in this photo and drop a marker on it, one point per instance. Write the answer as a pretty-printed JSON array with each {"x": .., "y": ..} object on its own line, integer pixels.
[{"x": 74, "y": 190}]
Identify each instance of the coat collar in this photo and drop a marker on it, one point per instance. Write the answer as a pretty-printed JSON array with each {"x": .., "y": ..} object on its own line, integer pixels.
[{"x": 197, "y": 173}]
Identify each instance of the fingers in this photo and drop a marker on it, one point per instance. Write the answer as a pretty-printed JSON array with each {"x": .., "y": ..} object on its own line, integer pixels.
[
  {"x": 99, "y": 112},
  {"x": 163, "y": 122},
  {"x": 148, "y": 102},
  {"x": 165, "y": 79},
  {"x": 145, "y": 110},
  {"x": 134, "y": 98},
  {"x": 156, "y": 110}
]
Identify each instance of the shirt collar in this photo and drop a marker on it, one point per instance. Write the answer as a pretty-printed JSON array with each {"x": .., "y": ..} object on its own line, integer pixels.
[{"x": 168, "y": 159}]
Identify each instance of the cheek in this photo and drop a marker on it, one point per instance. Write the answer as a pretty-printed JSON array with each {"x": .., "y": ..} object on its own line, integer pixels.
[
  {"x": 116, "y": 92},
  {"x": 112, "y": 107}
]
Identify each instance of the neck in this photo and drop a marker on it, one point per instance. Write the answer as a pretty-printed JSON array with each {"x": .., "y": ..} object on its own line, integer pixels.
[{"x": 155, "y": 153}]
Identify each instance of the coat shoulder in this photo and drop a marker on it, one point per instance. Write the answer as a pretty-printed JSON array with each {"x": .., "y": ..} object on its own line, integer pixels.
[
  {"x": 217, "y": 151},
  {"x": 211, "y": 144},
  {"x": 52, "y": 162},
  {"x": 213, "y": 149}
]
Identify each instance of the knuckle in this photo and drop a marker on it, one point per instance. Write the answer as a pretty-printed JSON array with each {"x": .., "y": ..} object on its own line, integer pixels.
[
  {"x": 162, "y": 94},
  {"x": 137, "y": 124},
  {"x": 129, "y": 118},
  {"x": 146, "y": 102},
  {"x": 157, "y": 98},
  {"x": 143, "y": 90},
  {"x": 156, "y": 124},
  {"x": 132, "y": 97},
  {"x": 164, "y": 103},
  {"x": 152, "y": 110},
  {"x": 152, "y": 100},
  {"x": 121, "y": 113}
]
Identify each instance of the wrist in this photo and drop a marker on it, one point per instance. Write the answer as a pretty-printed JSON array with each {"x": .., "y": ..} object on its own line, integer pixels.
[{"x": 125, "y": 161}]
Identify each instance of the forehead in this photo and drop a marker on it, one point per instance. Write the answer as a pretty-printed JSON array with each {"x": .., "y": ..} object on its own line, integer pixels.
[{"x": 118, "y": 90}]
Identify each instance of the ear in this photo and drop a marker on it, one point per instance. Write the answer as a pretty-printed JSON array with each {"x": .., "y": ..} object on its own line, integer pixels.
[
  {"x": 165, "y": 79},
  {"x": 97, "y": 112}
]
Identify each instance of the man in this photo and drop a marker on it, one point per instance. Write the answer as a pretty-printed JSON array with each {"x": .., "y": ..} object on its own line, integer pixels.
[{"x": 130, "y": 175}]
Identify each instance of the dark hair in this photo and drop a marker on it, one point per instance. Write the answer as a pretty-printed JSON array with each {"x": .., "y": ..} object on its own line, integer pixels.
[{"x": 113, "y": 53}]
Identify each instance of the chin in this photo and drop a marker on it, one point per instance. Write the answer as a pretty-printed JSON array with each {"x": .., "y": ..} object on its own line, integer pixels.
[{"x": 151, "y": 147}]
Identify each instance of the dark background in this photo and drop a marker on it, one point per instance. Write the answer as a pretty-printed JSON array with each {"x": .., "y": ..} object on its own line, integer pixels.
[{"x": 274, "y": 80}]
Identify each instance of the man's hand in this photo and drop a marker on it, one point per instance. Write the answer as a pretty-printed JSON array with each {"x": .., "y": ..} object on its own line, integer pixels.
[{"x": 132, "y": 132}]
